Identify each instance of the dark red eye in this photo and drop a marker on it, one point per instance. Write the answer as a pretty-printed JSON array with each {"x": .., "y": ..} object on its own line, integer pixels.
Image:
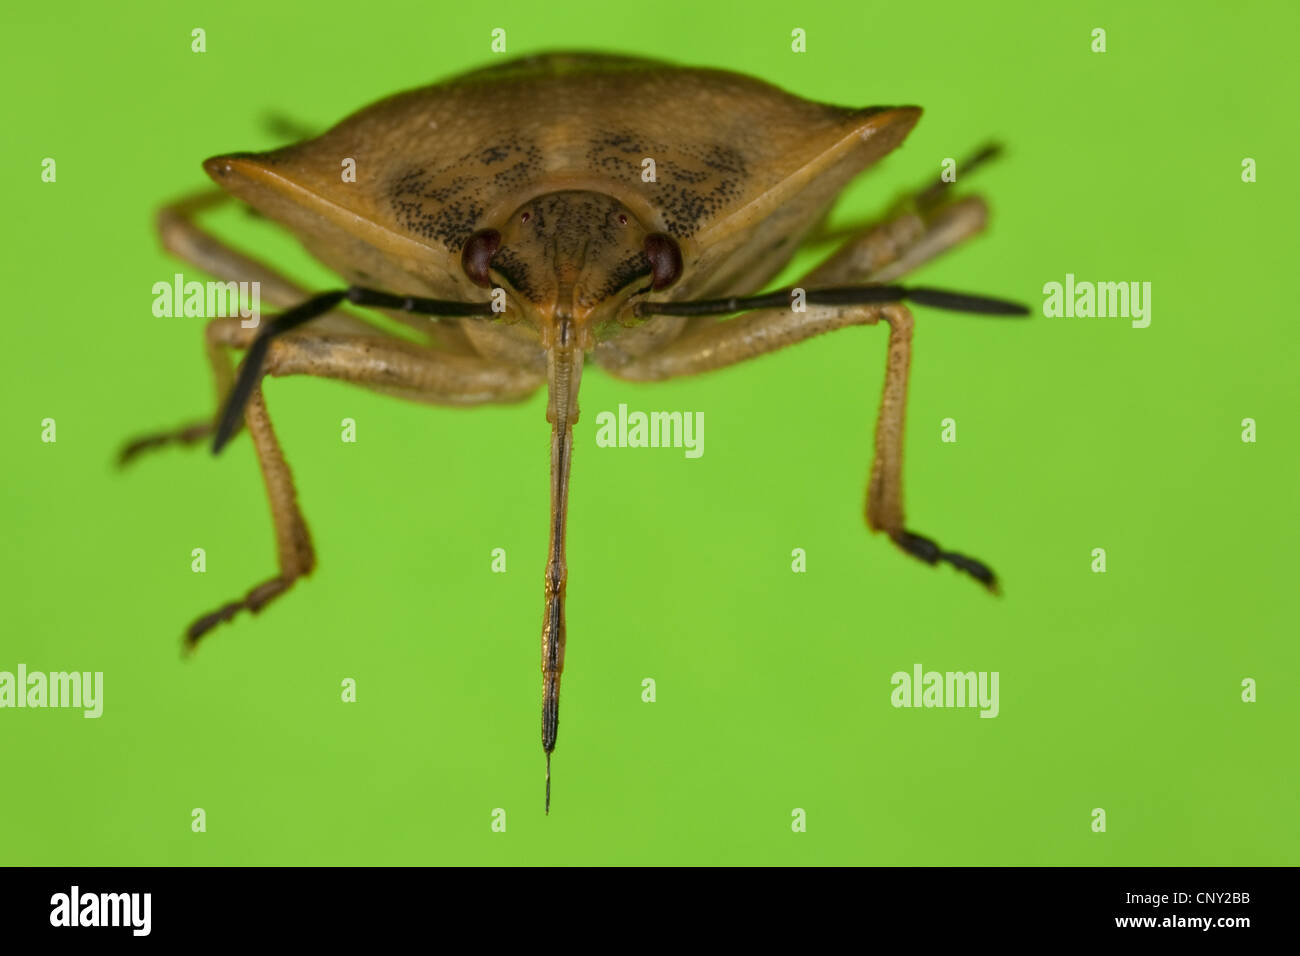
[
  {"x": 665, "y": 260},
  {"x": 477, "y": 255}
]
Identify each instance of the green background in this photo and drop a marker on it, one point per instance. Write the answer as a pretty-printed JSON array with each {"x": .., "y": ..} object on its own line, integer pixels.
[{"x": 1118, "y": 690}]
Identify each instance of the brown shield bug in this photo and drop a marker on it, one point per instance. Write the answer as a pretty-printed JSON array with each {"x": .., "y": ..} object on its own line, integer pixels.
[{"x": 526, "y": 217}]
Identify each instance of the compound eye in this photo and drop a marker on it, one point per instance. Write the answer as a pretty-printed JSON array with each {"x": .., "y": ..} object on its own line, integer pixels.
[
  {"x": 477, "y": 255},
  {"x": 665, "y": 260}
]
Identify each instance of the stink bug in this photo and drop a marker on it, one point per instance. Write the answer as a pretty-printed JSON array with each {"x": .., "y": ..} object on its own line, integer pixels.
[{"x": 506, "y": 216}]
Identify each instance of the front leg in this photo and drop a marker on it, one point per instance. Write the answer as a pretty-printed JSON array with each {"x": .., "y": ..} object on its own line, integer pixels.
[
  {"x": 766, "y": 330},
  {"x": 884, "y": 506},
  {"x": 383, "y": 363},
  {"x": 295, "y": 554}
]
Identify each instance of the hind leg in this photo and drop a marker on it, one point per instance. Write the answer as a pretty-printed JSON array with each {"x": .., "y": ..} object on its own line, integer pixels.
[
  {"x": 920, "y": 226},
  {"x": 182, "y": 236}
]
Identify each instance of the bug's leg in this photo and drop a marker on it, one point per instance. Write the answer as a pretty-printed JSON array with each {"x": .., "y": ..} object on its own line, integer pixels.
[
  {"x": 384, "y": 363},
  {"x": 293, "y": 542},
  {"x": 766, "y": 330},
  {"x": 938, "y": 189},
  {"x": 194, "y": 433},
  {"x": 919, "y": 227},
  {"x": 898, "y": 245},
  {"x": 283, "y": 126},
  {"x": 884, "y": 506},
  {"x": 182, "y": 237},
  {"x": 719, "y": 344},
  {"x": 219, "y": 336},
  {"x": 397, "y": 367}
]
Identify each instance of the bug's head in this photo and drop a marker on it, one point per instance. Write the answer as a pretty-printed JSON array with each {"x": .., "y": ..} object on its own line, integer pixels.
[{"x": 574, "y": 255}]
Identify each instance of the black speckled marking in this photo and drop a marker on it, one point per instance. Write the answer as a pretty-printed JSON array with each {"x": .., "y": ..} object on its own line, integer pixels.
[
  {"x": 687, "y": 191},
  {"x": 631, "y": 268},
  {"x": 575, "y": 217},
  {"x": 445, "y": 204},
  {"x": 515, "y": 271}
]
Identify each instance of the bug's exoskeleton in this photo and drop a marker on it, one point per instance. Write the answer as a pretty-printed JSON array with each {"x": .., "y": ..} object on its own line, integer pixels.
[{"x": 537, "y": 196}]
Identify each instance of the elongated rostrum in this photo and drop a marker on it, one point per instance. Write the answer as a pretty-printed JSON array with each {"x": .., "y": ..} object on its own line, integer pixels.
[{"x": 526, "y": 218}]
